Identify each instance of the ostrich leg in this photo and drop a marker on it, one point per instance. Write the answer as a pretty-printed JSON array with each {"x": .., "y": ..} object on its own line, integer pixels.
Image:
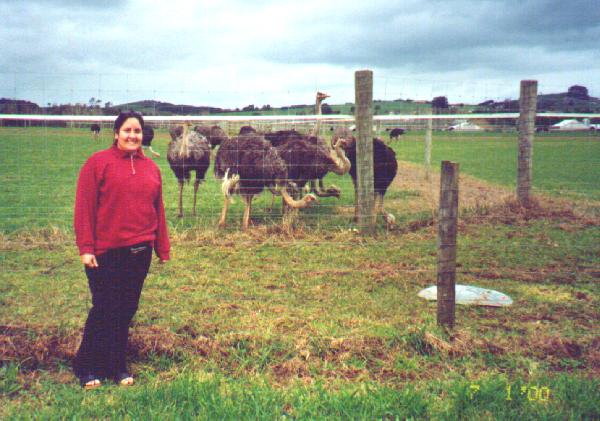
[
  {"x": 180, "y": 215},
  {"x": 224, "y": 212},
  {"x": 272, "y": 206},
  {"x": 355, "y": 203},
  {"x": 332, "y": 191},
  {"x": 196, "y": 184},
  {"x": 247, "y": 209},
  {"x": 378, "y": 205},
  {"x": 390, "y": 219}
]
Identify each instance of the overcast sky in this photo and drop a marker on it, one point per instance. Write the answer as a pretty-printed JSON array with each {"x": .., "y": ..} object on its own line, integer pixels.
[{"x": 231, "y": 53}]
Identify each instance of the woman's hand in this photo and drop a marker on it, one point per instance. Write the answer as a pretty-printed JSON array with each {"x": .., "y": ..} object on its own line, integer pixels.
[{"x": 89, "y": 260}]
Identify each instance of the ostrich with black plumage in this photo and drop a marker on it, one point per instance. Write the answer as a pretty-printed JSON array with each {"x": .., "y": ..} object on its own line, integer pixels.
[
  {"x": 95, "y": 129},
  {"x": 248, "y": 164},
  {"x": 385, "y": 168},
  {"x": 147, "y": 137},
  {"x": 309, "y": 159}
]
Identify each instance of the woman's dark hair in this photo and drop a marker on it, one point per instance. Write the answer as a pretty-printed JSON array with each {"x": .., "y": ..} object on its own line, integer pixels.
[{"x": 124, "y": 115}]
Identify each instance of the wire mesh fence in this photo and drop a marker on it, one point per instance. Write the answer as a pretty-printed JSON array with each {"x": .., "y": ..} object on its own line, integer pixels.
[{"x": 41, "y": 155}]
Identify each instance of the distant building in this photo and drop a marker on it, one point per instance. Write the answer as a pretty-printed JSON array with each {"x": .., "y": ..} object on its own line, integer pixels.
[{"x": 463, "y": 126}]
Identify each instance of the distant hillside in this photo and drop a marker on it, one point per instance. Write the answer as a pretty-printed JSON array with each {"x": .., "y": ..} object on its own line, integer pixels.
[
  {"x": 575, "y": 100},
  {"x": 18, "y": 106},
  {"x": 399, "y": 106},
  {"x": 151, "y": 107}
]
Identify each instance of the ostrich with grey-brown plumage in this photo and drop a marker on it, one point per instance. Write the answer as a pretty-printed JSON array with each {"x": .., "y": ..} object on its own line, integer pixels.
[
  {"x": 248, "y": 164},
  {"x": 316, "y": 185},
  {"x": 188, "y": 151},
  {"x": 214, "y": 134}
]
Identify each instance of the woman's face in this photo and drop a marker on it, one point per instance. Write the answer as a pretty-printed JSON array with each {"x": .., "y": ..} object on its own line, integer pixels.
[{"x": 129, "y": 137}]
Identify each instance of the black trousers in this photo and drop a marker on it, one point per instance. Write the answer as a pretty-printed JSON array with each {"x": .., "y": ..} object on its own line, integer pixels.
[{"x": 116, "y": 285}]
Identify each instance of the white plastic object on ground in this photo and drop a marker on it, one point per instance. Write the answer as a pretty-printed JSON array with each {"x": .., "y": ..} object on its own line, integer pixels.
[{"x": 470, "y": 295}]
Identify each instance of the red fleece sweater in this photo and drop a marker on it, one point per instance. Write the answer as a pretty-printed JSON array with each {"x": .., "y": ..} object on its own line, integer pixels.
[{"x": 119, "y": 203}]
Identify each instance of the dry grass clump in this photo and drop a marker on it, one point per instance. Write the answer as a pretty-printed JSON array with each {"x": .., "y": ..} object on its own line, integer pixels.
[
  {"x": 48, "y": 238},
  {"x": 304, "y": 358},
  {"x": 36, "y": 347}
]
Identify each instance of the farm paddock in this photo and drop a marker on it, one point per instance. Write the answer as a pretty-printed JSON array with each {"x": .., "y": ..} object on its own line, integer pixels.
[{"x": 312, "y": 319}]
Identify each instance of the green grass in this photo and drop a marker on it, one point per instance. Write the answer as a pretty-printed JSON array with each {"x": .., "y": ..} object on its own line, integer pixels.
[
  {"x": 315, "y": 322},
  {"x": 40, "y": 167},
  {"x": 562, "y": 163},
  {"x": 193, "y": 395}
]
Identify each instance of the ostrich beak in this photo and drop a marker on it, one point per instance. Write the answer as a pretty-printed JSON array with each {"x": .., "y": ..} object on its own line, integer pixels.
[
  {"x": 311, "y": 199},
  {"x": 341, "y": 142}
]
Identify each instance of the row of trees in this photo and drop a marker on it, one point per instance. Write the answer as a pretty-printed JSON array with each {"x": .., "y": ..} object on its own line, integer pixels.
[
  {"x": 576, "y": 99},
  {"x": 19, "y": 106}
]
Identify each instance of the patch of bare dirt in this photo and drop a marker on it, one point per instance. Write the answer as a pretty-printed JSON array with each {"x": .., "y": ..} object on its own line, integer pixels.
[{"x": 480, "y": 201}]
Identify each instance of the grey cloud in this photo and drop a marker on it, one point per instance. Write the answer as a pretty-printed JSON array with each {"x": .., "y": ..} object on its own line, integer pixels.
[
  {"x": 100, "y": 44},
  {"x": 441, "y": 31}
]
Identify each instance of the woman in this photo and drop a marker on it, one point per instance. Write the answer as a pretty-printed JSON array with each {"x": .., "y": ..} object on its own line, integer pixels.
[{"x": 119, "y": 220}]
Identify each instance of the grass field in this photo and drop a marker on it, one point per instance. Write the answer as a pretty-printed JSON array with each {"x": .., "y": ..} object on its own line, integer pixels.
[{"x": 315, "y": 321}]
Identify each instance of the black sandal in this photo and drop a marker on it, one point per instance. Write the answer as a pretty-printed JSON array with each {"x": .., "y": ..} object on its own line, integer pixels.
[{"x": 89, "y": 382}]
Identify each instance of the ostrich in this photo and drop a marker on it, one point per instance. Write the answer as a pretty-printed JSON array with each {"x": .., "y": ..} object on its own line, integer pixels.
[
  {"x": 247, "y": 164},
  {"x": 147, "y": 136},
  {"x": 247, "y": 130},
  {"x": 320, "y": 189},
  {"x": 385, "y": 168},
  {"x": 215, "y": 135},
  {"x": 282, "y": 136},
  {"x": 188, "y": 151},
  {"x": 396, "y": 132},
  {"x": 309, "y": 159},
  {"x": 95, "y": 129}
]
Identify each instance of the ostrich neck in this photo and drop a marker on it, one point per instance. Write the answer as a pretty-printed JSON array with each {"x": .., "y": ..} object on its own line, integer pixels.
[
  {"x": 317, "y": 128},
  {"x": 184, "y": 147},
  {"x": 342, "y": 163},
  {"x": 295, "y": 204}
]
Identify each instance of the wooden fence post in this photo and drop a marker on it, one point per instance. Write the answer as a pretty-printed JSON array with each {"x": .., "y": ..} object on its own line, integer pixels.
[
  {"x": 428, "y": 131},
  {"x": 363, "y": 85},
  {"x": 446, "y": 275},
  {"x": 527, "y": 106}
]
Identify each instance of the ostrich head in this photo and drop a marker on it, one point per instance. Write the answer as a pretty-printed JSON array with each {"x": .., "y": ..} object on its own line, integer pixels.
[
  {"x": 334, "y": 191},
  {"x": 321, "y": 96},
  {"x": 340, "y": 163},
  {"x": 306, "y": 201},
  {"x": 341, "y": 133}
]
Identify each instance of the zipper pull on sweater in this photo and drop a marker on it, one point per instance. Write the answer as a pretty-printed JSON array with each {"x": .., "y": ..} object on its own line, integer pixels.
[{"x": 132, "y": 167}]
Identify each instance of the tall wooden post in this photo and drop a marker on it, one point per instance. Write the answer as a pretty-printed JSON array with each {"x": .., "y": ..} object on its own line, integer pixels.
[
  {"x": 428, "y": 131},
  {"x": 446, "y": 275},
  {"x": 363, "y": 86},
  {"x": 527, "y": 105}
]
